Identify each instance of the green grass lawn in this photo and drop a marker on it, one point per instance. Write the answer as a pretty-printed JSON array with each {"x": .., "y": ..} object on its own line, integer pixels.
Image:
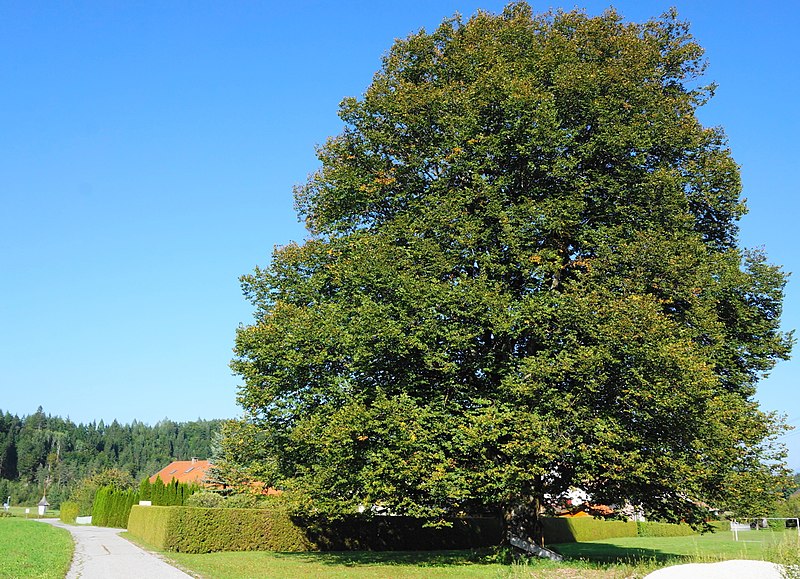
[
  {"x": 608, "y": 559},
  {"x": 18, "y": 511},
  {"x": 336, "y": 565},
  {"x": 35, "y": 550},
  {"x": 380, "y": 565},
  {"x": 763, "y": 544},
  {"x": 385, "y": 564}
]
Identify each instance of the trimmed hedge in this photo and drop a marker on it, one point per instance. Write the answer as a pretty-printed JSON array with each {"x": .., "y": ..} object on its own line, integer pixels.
[
  {"x": 69, "y": 511},
  {"x": 720, "y": 525},
  {"x": 402, "y": 534},
  {"x": 201, "y": 530},
  {"x": 204, "y": 530},
  {"x": 151, "y": 524},
  {"x": 652, "y": 529},
  {"x": 580, "y": 529}
]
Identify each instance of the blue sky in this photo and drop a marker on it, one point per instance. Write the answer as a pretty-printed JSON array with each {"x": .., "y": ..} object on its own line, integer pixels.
[{"x": 148, "y": 154}]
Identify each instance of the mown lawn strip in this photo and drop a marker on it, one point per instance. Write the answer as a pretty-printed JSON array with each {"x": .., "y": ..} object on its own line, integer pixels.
[{"x": 33, "y": 550}]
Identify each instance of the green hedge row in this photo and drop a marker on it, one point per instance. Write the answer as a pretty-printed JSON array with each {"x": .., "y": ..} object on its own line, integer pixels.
[
  {"x": 111, "y": 507},
  {"x": 204, "y": 530},
  {"x": 580, "y": 529},
  {"x": 69, "y": 511},
  {"x": 151, "y": 524},
  {"x": 652, "y": 529},
  {"x": 720, "y": 525},
  {"x": 402, "y": 534}
]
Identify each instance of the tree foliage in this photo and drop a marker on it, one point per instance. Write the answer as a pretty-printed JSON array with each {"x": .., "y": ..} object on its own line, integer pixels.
[
  {"x": 522, "y": 274},
  {"x": 84, "y": 492}
]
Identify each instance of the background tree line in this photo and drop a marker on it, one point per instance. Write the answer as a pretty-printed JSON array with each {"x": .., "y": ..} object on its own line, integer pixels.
[{"x": 41, "y": 451}]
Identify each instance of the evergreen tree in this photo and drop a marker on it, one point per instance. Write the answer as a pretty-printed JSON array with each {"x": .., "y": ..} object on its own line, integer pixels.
[
  {"x": 145, "y": 489},
  {"x": 157, "y": 492},
  {"x": 43, "y": 450}
]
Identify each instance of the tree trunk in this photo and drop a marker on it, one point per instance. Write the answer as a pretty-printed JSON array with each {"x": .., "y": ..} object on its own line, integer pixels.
[{"x": 523, "y": 520}]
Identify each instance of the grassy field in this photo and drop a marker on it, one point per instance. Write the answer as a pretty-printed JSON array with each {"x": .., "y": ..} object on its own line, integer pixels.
[
  {"x": 764, "y": 544},
  {"x": 33, "y": 550},
  {"x": 394, "y": 565},
  {"x": 389, "y": 565},
  {"x": 610, "y": 559},
  {"x": 33, "y": 514}
]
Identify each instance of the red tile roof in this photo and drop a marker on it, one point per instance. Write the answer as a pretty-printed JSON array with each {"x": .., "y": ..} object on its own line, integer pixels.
[{"x": 185, "y": 471}]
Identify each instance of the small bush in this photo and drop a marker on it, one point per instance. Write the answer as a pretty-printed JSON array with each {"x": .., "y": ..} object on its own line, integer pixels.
[
  {"x": 205, "y": 499},
  {"x": 242, "y": 501},
  {"x": 69, "y": 511},
  {"x": 776, "y": 525}
]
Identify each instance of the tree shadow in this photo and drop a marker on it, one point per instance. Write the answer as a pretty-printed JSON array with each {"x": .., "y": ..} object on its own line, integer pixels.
[
  {"x": 610, "y": 553},
  {"x": 416, "y": 558}
]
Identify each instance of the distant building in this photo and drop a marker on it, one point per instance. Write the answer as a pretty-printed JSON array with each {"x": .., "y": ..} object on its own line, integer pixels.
[
  {"x": 184, "y": 471},
  {"x": 195, "y": 471}
]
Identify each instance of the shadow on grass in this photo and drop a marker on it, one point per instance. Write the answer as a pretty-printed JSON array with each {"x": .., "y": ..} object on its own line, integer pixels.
[
  {"x": 416, "y": 558},
  {"x": 608, "y": 553}
]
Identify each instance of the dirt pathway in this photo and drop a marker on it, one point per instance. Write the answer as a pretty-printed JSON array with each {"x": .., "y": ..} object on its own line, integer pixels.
[{"x": 100, "y": 553}]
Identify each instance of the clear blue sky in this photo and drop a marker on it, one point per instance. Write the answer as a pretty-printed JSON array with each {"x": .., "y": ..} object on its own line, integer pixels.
[{"x": 148, "y": 153}]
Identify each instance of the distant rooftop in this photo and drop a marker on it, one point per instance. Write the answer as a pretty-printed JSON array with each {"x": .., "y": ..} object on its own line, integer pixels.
[{"x": 184, "y": 471}]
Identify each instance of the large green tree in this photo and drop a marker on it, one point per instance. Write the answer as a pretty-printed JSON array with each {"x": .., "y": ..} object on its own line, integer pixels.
[{"x": 522, "y": 274}]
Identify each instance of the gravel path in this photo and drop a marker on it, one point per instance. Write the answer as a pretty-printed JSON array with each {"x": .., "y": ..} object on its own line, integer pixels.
[
  {"x": 736, "y": 569},
  {"x": 100, "y": 553}
]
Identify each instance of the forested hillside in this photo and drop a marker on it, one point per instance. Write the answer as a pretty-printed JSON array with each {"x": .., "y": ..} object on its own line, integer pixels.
[{"x": 41, "y": 450}]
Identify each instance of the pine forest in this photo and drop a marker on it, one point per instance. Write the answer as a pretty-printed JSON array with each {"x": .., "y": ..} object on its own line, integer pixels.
[{"x": 41, "y": 453}]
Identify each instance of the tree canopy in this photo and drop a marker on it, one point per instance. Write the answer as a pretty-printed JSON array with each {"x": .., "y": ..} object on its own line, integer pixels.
[{"x": 521, "y": 274}]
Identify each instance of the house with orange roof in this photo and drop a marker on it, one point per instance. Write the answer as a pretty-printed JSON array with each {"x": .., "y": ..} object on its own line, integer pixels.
[
  {"x": 184, "y": 471},
  {"x": 195, "y": 471}
]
